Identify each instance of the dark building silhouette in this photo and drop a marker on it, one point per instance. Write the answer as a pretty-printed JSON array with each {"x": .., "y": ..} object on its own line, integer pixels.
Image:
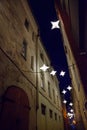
[{"x": 73, "y": 19}]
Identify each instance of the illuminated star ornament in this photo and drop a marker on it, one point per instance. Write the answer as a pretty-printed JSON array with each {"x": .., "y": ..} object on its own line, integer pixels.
[
  {"x": 64, "y": 101},
  {"x": 55, "y": 24},
  {"x": 71, "y": 104},
  {"x": 70, "y": 115},
  {"x": 69, "y": 88},
  {"x": 71, "y": 110},
  {"x": 44, "y": 67},
  {"x": 62, "y": 73},
  {"x": 53, "y": 72},
  {"x": 64, "y": 91}
]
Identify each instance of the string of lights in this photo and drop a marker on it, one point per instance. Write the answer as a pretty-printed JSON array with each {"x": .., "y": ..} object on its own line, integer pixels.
[
  {"x": 44, "y": 68},
  {"x": 70, "y": 113}
]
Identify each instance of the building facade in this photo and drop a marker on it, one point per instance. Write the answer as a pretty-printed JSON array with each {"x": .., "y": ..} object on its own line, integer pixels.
[
  {"x": 72, "y": 15},
  {"x": 29, "y": 98}
]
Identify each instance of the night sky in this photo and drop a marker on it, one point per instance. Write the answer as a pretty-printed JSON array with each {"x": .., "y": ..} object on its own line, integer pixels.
[{"x": 44, "y": 12}]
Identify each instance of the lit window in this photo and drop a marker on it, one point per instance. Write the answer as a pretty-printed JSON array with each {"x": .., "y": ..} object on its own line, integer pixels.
[
  {"x": 32, "y": 62},
  {"x": 43, "y": 109},
  {"x": 24, "y": 49}
]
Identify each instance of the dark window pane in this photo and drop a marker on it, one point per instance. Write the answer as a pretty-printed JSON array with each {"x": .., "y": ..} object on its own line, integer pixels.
[
  {"x": 43, "y": 109},
  {"x": 50, "y": 113},
  {"x": 26, "y": 24}
]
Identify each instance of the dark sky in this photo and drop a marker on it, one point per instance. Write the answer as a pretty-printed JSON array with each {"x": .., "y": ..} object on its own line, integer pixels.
[{"x": 44, "y": 13}]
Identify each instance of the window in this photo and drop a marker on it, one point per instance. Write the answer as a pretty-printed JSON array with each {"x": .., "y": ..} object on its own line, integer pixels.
[
  {"x": 26, "y": 23},
  {"x": 52, "y": 77},
  {"x": 49, "y": 92},
  {"x": 86, "y": 105},
  {"x": 55, "y": 116},
  {"x": 43, "y": 109},
  {"x": 34, "y": 37},
  {"x": 24, "y": 49},
  {"x": 57, "y": 100},
  {"x": 32, "y": 62},
  {"x": 41, "y": 56},
  {"x": 42, "y": 79},
  {"x": 50, "y": 113},
  {"x": 56, "y": 83},
  {"x": 65, "y": 48},
  {"x": 59, "y": 117},
  {"x": 54, "y": 95}
]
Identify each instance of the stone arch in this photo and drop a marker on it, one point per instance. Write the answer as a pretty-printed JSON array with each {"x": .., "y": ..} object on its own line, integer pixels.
[{"x": 15, "y": 109}]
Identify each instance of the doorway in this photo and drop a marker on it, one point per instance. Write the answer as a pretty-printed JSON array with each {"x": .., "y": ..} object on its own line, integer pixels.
[{"x": 14, "y": 114}]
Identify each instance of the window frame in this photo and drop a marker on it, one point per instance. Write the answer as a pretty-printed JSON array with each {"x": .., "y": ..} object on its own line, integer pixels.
[
  {"x": 26, "y": 24},
  {"x": 50, "y": 113},
  {"x": 24, "y": 49},
  {"x": 43, "y": 109},
  {"x": 32, "y": 62}
]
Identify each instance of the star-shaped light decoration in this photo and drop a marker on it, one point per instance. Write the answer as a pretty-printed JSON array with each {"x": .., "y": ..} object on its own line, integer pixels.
[
  {"x": 71, "y": 110},
  {"x": 44, "y": 67},
  {"x": 70, "y": 115},
  {"x": 64, "y": 101},
  {"x": 69, "y": 88},
  {"x": 62, "y": 73},
  {"x": 71, "y": 104},
  {"x": 64, "y": 91},
  {"x": 53, "y": 72},
  {"x": 55, "y": 24}
]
